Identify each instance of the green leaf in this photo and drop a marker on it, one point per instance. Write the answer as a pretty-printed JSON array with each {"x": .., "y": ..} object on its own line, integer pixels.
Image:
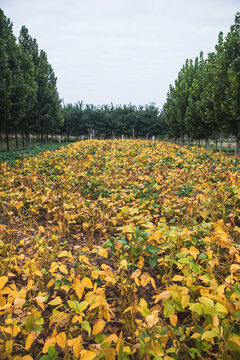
[
  {"x": 221, "y": 309},
  {"x": 192, "y": 352},
  {"x": 122, "y": 241},
  {"x": 137, "y": 232},
  {"x": 236, "y": 288},
  {"x": 52, "y": 352},
  {"x": 152, "y": 249},
  {"x": 198, "y": 308},
  {"x": 45, "y": 357},
  {"x": 100, "y": 338},
  {"x": 86, "y": 326},
  {"x": 152, "y": 261},
  {"x": 78, "y": 307},
  {"x": 107, "y": 243},
  {"x": 210, "y": 334},
  {"x": 169, "y": 309}
]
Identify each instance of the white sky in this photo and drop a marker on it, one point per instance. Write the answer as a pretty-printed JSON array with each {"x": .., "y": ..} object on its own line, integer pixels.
[{"x": 120, "y": 51}]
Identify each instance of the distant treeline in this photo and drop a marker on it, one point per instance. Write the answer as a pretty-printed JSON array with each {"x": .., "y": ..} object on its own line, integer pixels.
[
  {"x": 204, "y": 102},
  {"x": 108, "y": 121}
]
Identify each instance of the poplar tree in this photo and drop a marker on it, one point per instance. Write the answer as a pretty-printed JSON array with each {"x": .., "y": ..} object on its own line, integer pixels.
[{"x": 8, "y": 73}]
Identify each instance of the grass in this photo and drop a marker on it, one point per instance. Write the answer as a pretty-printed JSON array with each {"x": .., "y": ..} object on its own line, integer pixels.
[{"x": 13, "y": 155}]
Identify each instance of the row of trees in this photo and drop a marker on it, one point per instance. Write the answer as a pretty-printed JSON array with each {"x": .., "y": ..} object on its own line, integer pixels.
[
  {"x": 29, "y": 101},
  {"x": 204, "y": 102},
  {"x": 107, "y": 121}
]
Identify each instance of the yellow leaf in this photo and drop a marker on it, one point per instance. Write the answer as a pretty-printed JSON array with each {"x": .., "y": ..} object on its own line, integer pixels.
[
  {"x": 76, "y": 344},
  {"x": 128, "y": 228},
  {"x": 136, "y": 274},
  {"x": 3, "y": 281},
  {"x": 9, "y": 346},
  {"x": 153, "y": 283},
  {"x": 63, "y": 269},
  {"x": 143, "y": 308},
  {"x": 79, "y": 289},
  {"x": 173, "y": 320},
  {"x": 185, "y": 301},
  {"x": 41, "y": 229},
  {"x": 235, "y": 338},
  {"x": 215, "y": 320},
  {"x": 144, "y": 280},
  {"x": 207, "y": 301},
  {"x": 87, "y": 355},
  {"x": 40, "y": 299},
  {"x": 61, "y": 339},
  {"x": 4, "y": 307},
  {"x": 207, "y": 335},
  {"x": 152, "y": 319},
  {"x": 234, "y": 268},
  {"x": 123, "y": 264},
  {"x": 27, "y": 357},
  {"x": 103, "y": 252},
  {"x": 64, "y": 254},
  {"x": 177, "y": 278},
  {"x": 19, "y": 302},
  {"x": 38, "y": 273},
  {"x": 56, "y": 301},
  {"x": 29, "y": 285},
  {"x": 110, "y": 338},
  {"x": 16, "y": 330},
  {"x": 163, "y": 296},
  {"x": 87, "y": 283},
  {"x": 48, "y": 342},
  {"x": 31, "y": 337},
  {"x": 128, "y": 309},
  {"x": 109, "y": 353},
  {"x": 194, "y": 252},
  {"x": 77, "y": 318},
  {"x": 140, "y": 263},
  {"x": 54, "y": 267},
  {"x": 85, "y": 225},
  {"x": 98, "y": 326},
  {"x": 83, "y": 258},
  {"x": 195, "y": 336},
  {"x": 220, "y": 308},
  {"x": 18, "y": 205}
]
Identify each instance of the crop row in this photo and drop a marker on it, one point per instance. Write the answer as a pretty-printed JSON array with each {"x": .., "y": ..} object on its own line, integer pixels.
[{"x": 120, "y": 249}]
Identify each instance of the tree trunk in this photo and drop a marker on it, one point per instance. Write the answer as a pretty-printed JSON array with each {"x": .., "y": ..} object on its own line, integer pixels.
[
  {"x": 181, "y": 139},
  {"x": 27, "y": 140},
  {"x": 221, "y": 141},
  {"x": 16, "y": 139},
  {"x": 206, "y": 144},
  {"x": 23, "y": 140},
  {"x": 133, "y": 134},
  {"x": 237, "y": 146},
  {"x": 7, "y": 140}
]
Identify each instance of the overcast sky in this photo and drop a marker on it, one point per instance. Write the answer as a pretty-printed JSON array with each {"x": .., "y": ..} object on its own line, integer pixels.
[{"x": 120, "y": 51}]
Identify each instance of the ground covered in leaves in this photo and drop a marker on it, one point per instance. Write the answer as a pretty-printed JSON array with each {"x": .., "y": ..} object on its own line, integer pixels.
[{"x": 120, "y": 250}]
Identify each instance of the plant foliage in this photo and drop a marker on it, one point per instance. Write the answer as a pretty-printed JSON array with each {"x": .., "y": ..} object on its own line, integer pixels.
[{"x": 120, "y": 249}]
